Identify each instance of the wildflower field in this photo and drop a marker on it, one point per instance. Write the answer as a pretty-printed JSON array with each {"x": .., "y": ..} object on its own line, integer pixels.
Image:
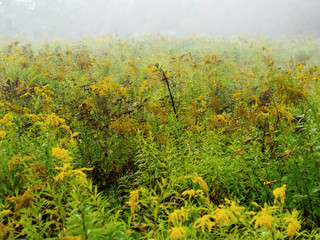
[{"x": 160, "y": 138}]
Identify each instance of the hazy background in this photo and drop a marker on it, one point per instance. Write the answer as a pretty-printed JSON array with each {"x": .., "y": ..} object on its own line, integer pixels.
[{"x": 77, "y": 18}]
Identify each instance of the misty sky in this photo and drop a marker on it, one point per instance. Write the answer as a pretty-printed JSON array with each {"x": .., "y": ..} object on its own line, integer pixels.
[{"x": 74, "y": 18}]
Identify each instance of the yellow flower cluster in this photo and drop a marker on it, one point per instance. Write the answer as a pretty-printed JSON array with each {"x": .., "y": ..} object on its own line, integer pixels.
[
  {"x": 232, "y": 213},
  {"x": 212, "y": 58},
  {"x": 143, "y": 87},
  {"x": 89, "y": 103},
  {"x": 192, "y": 193},
  {"x": 83, "y": 59},
  {"x": 54, "y": 120},
  {"x": 108, "y": 86},
  {"x": 201, "y": 183},
  {"x": 177, "y": 233},
  {"x": 222, "y": 215},
  {"x": 133, "y": 201},
  {"x": 263, "y": 218},
  {"x": 67, "y": 171},
  {"x": 265, "y": 221},
  {"x": 235, "y": 209},
  {"x": 3, "y": 134},
  {"x": 178, "y": 216},
  {"x": 218, "y": 120},
  {"x": 18, "y": 159},
  {"x": 6, "y": 120},
  {"x": 44, "y": 94},
  {"x": 61, "y": 154},
  {"x": 204, "y": 221},
  {"x": 23, "y": 201},
  {"x": 280, "y": 193},
  {"x": 160, "y": 112},
  {"x": 132, "y": 66},
  {"x": 294, "y": 226},
  {"x": 123, "y": 124}
]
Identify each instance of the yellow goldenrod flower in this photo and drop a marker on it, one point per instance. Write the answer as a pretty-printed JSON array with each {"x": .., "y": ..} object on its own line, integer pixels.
[
  {"x": 161, "y": 112},
  {"x": 280, "y": 193},
  {"x": 192, "y": 193},
  {"x": 203, "y": 222},
  {"x": 61, "y": 154},
  {"x": 63, "y": 172},
  {"x": 63, "y": 140},
  {"x": 124, "y": 124},
  {"x": 89, "y": 102},
  {"x": 263, "y": 218},
  {"x": 177, "y": 233},
  {"x": 201, "y": 183},
  {"x": 66, "y": 171},
  {"x": 294, "y": 225},
  {"x": 178, "y": 216},
  {"x": 108, "y": 86},
  {"x": 265, "y": 221},
  {"x": 6, "y": 120},
  {"x": 3, "y": 134},
  {"x": 223, "y": 216},
  {"x": 236, "y": 209},
  {"x": 18, "y": 159},
  {"x": 66, "y": 128},
  {"x": 143, "y": 87},
  {"x": 133, "y": 201},
  {"x": 23, "y": 201},
  {"x": 54, "y": 120}
]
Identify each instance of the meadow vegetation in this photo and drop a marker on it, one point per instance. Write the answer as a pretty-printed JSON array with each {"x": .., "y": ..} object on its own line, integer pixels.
[{"x": 160, "y": 138}]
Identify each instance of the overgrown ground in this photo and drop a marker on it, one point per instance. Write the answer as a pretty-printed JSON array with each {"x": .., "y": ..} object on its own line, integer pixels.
[{"x": 160, "y": 138}]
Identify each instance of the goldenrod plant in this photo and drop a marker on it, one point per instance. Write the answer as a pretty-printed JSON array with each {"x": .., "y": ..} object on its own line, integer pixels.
[{"x": 160, "y": 138}]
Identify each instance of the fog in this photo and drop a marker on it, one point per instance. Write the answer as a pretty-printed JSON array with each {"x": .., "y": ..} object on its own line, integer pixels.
[{"x": 77, "y": 18}]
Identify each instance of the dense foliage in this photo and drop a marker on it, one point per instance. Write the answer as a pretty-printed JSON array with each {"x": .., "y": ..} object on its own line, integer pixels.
[{"x": 160, "y": 138}]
